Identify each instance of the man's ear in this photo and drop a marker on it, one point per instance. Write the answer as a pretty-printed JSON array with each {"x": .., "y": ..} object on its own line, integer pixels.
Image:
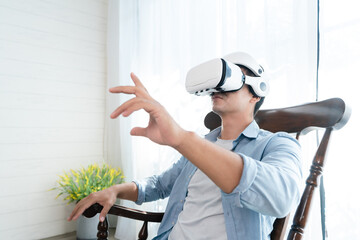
[{"x": 255, "y": 99}]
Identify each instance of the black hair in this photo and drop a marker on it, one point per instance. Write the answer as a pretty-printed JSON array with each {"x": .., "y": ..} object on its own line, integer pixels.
[
  {"x": 250, "y": 73},
  {"x": 259, "y": 103}
]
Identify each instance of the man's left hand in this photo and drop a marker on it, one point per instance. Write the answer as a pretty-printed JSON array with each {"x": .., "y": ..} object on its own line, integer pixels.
[{"x": 162, "y": 129}]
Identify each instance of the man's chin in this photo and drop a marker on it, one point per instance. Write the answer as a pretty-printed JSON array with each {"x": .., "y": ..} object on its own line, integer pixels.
[{"x": 216, "y": 110}]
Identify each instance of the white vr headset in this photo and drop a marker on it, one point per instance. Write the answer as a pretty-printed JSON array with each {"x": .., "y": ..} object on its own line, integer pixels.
[{"x": 222, "y": 75}]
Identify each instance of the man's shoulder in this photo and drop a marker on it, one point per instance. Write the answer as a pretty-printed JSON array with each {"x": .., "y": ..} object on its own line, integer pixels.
[
  {"x": 266, "y": 133},
  {"x": 282, "y": 137}
]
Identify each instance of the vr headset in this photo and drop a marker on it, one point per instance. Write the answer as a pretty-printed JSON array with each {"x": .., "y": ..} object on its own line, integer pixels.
[{"x": 222, "y": 75}]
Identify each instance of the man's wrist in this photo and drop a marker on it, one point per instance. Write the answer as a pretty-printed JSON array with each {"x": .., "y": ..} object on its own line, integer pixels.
[{"x": 184, "y": 139}]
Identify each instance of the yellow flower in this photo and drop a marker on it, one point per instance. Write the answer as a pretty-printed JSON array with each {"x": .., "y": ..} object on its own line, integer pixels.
[{"x": 77, "y": 184}]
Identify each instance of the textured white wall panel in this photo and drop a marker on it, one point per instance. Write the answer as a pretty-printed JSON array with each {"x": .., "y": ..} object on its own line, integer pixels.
[{"x": 52, "y": 107}]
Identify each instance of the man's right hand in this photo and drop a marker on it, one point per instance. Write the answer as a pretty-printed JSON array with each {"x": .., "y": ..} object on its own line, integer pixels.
[{"x": 105, "y": 198}]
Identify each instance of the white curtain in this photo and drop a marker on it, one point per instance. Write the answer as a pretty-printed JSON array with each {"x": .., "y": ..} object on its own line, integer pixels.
[
  {"x": 161, "y": 40},
  {"x": 339, "y": 61}
]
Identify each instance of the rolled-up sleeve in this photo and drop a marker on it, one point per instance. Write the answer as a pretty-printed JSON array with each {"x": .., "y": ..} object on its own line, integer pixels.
[
  {"x": 158, "y": 186},
  {"x": 270, "y": 185}
]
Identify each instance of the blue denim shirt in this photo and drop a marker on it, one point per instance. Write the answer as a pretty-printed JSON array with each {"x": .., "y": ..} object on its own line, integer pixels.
[{"x": 268, "y": 189}]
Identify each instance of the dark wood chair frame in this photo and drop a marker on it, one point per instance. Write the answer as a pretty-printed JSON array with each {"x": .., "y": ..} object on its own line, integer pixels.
[{"x": 331, "y": 114}]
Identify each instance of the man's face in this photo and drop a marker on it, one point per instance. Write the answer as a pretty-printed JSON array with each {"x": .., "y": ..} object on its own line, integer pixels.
[{"x": 233, "y": 102}]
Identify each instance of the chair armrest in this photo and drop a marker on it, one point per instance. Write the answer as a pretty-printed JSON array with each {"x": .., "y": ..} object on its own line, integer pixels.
[{"x": 122, "y": 211}]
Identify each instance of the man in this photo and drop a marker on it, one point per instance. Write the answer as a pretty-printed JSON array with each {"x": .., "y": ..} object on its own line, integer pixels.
[{"x": 232, "y": 189}]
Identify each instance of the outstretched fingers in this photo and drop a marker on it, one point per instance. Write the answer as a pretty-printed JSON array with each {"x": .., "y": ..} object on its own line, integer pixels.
[
  {"x": 134, "y": 104},
  {"x": 123, "y": 89},
  {"x": 138, "y": 90},
  {"x": 137, "y": 81}
]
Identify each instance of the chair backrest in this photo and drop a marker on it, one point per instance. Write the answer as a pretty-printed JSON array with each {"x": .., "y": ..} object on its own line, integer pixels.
[{"x": 329, "y": 114}]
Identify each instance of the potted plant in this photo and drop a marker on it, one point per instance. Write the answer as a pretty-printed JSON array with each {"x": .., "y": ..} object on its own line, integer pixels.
[{"x": 75, "y": 185}]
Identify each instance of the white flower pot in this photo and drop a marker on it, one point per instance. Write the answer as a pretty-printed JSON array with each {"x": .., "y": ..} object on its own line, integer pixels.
[{"x": 86, "y": 228}]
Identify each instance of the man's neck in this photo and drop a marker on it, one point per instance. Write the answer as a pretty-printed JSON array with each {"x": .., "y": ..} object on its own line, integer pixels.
[{"x": 232, "y": 126}]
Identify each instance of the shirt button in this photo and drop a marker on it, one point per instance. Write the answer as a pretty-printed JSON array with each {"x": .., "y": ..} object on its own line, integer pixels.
[{"x": 172, "y": 223}]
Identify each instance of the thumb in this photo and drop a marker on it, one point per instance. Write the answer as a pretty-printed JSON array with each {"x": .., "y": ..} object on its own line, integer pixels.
[
  {"x": 138, "y": 131},
  {"x": 103, "y": 213}
]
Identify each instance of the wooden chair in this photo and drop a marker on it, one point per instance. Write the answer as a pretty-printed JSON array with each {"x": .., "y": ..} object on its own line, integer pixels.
[{"x": 331, "y": 114}]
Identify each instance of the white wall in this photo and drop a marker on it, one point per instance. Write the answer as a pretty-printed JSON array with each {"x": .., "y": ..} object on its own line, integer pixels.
[{"x": 52, "y": 105}]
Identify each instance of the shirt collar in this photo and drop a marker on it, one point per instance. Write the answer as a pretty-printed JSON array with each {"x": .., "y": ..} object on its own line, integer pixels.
[{"x": 250, "y": 131}]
